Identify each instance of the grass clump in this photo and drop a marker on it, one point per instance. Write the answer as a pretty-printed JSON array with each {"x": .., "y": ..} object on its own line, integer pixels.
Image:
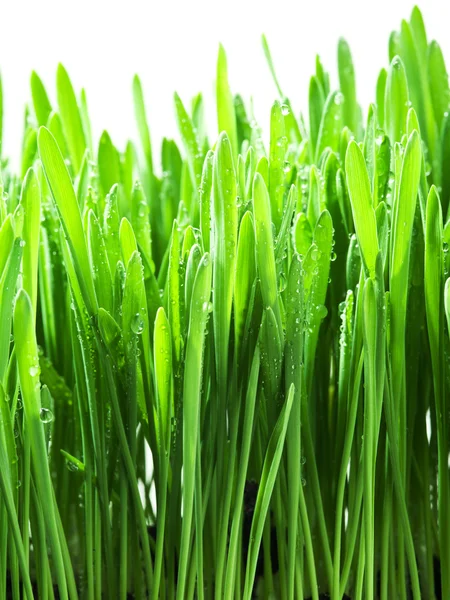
[{"x": 230, "y": 377}]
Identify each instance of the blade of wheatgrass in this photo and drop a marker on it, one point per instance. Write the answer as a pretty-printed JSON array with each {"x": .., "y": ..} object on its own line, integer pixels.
[
  {"x": 205, "y": 199},
  {"x": 142, "y": 124},
  {"x": 226, "y": 117},
  {"x": 31, "y": 201},
  {"x": 398, "y": 477},
  {"x": 277, "y": 153},
  {"x": 314, "y": 201},
  {"x": 434, "y": 281},
  {"x": 225, "y": 232},
  {"x": 247, "y": 427},
  {"x": 190, "y": 141},
  {"x": 84, "y": 115},
  {"x": 438, "y": 81},
  {"x": 316, "y": 272},
  {"x": 130, "y": 472},
  {"x": 316, "y": 105},
  {"x": 58, "y": 179},
  {"x": 380, "y": 96},
  {"x": 282, "y": 241},
  {"x": 108, "y": 163},
  {"x": 8, "y": 282},
  {"x": 86, "y": 338},
  {"x": 173, "y": 305},
  {"x": 41, "y": 103},
  {"x": 141, "y": 223},
  {"x": 265, "y": 257},
  {"x": 99, "y": 263},
  {"x": 270, "y": 342},
  {"x": 267, "y": 482},
  {"x": 7, "y": 448},
  {"x": 199, "y": 315},
  {"x": 330, "y": 125},
  {"x": 396, "y": 103},
  {"x": 194, "y": 257},
  {"x": 28, "y": 363},
  {"x": 294, "y": 376},
  {"x": 6, "y": 241},
  {"x": 54, "y": 125},
  {"x": 244, "y": 278},
  {"x": 369, "y": 447},
  {"x": 164, "y": 387},
  {"x": 348, "y": 87},
  {"x": 399, "y": 268},
  {"x": 71, "y": 118},
  {"x": 269, "y": 60},
  {"x": 361, "y": 201}
]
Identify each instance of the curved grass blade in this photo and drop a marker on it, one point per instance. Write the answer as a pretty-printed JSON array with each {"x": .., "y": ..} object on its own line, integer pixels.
[
  {"x": 59, "y": 182},
  {"x": 267, "y": 482},
  {"x": 347, "y": 84},
  {"x": 71, "y": 118},
  {"x": 41, "y": 103},
  {"x": 361, "y": 201},
  {"x": 226, "y": 117}
]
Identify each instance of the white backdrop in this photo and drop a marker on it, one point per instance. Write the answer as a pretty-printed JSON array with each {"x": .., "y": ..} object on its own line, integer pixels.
[{"x": 173, "y": 44}]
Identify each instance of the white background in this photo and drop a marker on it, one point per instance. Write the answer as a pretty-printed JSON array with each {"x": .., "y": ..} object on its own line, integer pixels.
[{"x": 172, "y": 44}]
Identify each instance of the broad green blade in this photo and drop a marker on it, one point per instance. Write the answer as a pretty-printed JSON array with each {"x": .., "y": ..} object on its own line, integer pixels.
[
  {"x": 362, "y": 208},
  {"x": 348, "y": 87},
  {"x": 108, "y": 163},
  {"x": 226, "y": 118},
  {"x": 224, "y": 220},
  {"x": 41, "y": 103},
  {"x": 71, "y": 118},
  {"x": 396, "y": 100},
  {"x": 31, "y": 202},
  {"x": 61, "y": 187}
]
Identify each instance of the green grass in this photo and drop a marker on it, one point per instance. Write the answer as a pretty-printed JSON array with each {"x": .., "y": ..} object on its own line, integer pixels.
[{"x": 224, "y": 371}]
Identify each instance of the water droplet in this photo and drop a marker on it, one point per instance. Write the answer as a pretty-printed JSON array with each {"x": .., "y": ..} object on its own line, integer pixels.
[
  {"x": 333, "y": 256},
  {"x": 322, "y": 311},
  {"x": 315, "y": 253},
  {"x": 207, "y": 307},
  {"x": 71, "y": 466},
  {"x": 33, "y": 370},
  {"x": 46, "y": 415},
  {"x": 137, "y": 324},
  {"x": 282, "y": 282}
]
